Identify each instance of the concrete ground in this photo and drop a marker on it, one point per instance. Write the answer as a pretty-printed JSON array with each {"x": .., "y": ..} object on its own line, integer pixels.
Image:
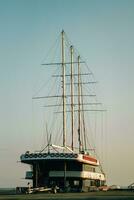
[{"x": 109, "y": 195}]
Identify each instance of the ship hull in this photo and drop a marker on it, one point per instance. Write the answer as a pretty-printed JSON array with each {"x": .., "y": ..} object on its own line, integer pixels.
[{"x": 75, "y": 172}]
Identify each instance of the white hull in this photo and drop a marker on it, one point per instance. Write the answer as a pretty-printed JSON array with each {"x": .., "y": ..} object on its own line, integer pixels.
[{"x": 78, "y": 174}]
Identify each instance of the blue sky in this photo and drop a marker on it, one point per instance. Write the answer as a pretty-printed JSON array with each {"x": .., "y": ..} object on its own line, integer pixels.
[{"x": 103, "y": 32}]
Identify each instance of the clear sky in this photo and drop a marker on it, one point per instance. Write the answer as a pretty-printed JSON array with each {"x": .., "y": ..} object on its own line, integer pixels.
[{"x": 103, "y": 31}]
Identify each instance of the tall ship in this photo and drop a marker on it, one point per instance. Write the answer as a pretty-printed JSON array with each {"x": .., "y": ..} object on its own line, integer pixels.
[{"x": 70, "y": 164}]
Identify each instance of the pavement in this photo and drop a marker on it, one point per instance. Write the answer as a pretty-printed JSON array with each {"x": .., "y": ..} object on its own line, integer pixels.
[{"x": 109, "y": 195}]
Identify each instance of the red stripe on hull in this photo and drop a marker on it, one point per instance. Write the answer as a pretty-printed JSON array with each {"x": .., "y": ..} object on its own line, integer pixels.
[{"x": 88, "y": 158}]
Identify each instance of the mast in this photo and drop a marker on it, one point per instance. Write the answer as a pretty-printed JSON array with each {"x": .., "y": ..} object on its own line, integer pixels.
[
  {"x": 79, "y": 116},
  {"x": 72, "y": 97},
  {"x": 63, "y": 87},
  {"x": 83, "y": 122}
]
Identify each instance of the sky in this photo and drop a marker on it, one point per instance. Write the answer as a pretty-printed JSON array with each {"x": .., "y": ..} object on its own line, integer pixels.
[{"x": 103, "y": 32}]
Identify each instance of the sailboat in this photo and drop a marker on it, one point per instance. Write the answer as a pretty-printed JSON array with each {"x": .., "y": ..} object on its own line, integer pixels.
[{"x": 66, "y": 166}]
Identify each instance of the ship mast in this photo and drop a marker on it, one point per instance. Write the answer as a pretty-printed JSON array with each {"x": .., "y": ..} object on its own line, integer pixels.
[
  {"x": 72, "y": 98},
  {"x": 63, "y": 87},
  {"x": 79, "y": 103}
]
